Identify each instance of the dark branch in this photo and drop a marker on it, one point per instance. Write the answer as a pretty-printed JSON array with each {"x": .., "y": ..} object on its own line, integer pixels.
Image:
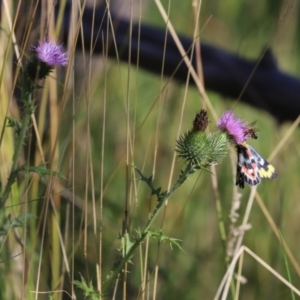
[{"x": 269, "y": 89}]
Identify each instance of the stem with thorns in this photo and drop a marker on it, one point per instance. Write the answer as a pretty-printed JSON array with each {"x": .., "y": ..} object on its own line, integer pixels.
[
  {"x": 162, "y": 197},
  {"x": 26, "y": 90}
]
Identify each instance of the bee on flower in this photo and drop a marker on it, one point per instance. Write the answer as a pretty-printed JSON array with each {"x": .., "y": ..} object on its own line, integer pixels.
[{"x": 251, "y": 166}]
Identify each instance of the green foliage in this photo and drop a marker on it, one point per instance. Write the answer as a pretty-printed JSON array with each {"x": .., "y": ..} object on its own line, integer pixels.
[
  {"x": 126, "y": 245},
  {"x": 287, "y": 266},
  {"x": 88, "y": 289},
  {"x": 42, "y": 171},
  {"x": 15, "y": 124},
  {"x": 19, "y": 221},
  {"x": 36, "y": 69},
  {"x": 161, "y": 237},
  {"x": 140, "y": 122}
]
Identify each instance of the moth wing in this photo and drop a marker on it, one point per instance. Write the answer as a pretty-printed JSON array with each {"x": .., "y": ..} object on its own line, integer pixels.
[
  {"x": 247, "y": 167},
  {"x": 239, "y": 177},
  {"x": 265, "y": 169}
]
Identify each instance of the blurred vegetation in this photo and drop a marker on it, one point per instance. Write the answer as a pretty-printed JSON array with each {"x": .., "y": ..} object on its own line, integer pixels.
[{"x": 114, "y": 115}]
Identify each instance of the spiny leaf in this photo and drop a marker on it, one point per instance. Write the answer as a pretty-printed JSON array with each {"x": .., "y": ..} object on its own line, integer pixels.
[
  {"x": 42, "y": 171},
  {"x": 148, "y": 180},
  {"x": 88, "y": 289},
  {"x": 159, "y": 235},
  {"x": 11, "y": 223},
  {"x": 15, "y": 124},
  {"x": 126, "y": 244}
]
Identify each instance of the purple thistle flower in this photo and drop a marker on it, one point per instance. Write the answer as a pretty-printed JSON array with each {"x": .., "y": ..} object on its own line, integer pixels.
[
  {"x": 51, "y": 54},
  {"x": 236, "y": 128}
]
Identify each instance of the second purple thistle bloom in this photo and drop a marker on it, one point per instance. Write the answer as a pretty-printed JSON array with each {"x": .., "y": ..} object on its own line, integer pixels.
[
  {"x": 51, "y": 54},
  {"x": 235, "y": 127}
]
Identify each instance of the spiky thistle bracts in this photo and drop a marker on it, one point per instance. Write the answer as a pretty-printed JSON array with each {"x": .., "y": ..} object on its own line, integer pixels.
[{"x": 199, "y": 149}]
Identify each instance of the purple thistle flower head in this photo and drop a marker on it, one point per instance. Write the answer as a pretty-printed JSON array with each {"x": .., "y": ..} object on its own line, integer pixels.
[
  {"x": 51, "y": 54},
  {"x": 235, "y": 128}
]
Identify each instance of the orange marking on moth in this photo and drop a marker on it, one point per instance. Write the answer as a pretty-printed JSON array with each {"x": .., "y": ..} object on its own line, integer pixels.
[
  {"x": 251, "y": 173},
  {"x": 249, "y": 153}
]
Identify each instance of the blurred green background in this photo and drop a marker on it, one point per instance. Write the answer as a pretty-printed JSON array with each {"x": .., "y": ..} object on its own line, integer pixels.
[{"x": 242, "y": 27}]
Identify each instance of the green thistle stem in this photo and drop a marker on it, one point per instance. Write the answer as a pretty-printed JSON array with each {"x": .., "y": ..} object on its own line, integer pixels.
[
  {"x": 200, "y": 152},
  {"x": 162, "y": 197},
  {"x": 26, "y": 90}
]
